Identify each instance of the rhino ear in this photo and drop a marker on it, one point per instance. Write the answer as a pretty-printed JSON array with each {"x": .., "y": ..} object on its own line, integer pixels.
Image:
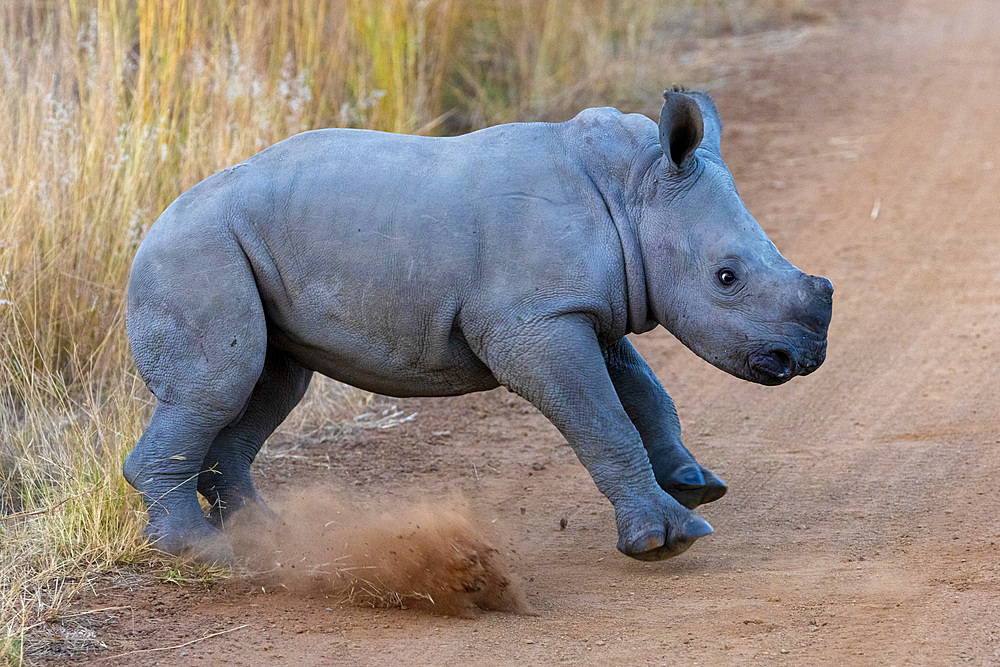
[
  {"x": 681, "y": 126},
  {"x": 713, "y": 122}
]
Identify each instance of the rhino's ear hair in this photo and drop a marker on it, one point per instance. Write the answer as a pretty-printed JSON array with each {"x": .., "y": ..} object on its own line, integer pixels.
[{"x": 681, "y": 127}]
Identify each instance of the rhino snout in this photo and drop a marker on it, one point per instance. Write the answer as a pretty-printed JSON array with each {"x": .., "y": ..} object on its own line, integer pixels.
[
  {"x": 777, "y": 365},
  {"x": 815, "y": 305},
  {"x": 822, "y": 286},
  {"x": 811, "y": 358}
]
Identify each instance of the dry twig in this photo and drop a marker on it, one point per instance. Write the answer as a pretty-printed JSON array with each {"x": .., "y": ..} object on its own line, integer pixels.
[
  {"x": 45, "y": 510},
  {"x": 175, "y": 646}
]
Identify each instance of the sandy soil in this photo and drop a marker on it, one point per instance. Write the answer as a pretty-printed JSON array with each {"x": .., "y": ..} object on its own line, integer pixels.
[{"x": 861, "y": 525}]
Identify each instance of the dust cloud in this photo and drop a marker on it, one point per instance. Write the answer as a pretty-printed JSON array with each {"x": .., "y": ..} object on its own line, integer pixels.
[{"x": 417, "y": 554}]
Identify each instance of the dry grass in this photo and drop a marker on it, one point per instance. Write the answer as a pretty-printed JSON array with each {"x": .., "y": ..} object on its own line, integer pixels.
[{"x": 111, "y": 108}]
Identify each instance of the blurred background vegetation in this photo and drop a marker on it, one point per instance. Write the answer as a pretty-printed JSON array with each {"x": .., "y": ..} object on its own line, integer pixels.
[{"x": 109, "y": 109}]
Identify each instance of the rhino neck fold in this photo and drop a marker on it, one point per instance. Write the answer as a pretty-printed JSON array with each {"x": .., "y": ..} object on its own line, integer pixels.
[
  {"x": 639, "y": 320},
  {"x": 620, "y": 154},
  {"x": 622, "y": 199}
]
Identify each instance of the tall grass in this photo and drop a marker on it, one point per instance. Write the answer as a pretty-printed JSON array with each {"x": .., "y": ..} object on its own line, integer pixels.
[{"x": 111, "y": 108}]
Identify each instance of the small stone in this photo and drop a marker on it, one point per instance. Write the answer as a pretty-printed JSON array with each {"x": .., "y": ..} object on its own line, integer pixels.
[
  {"x": 529, "y": 641},
  {"x": 784, "y": 650},
  {"x": 600, "y": 642}
]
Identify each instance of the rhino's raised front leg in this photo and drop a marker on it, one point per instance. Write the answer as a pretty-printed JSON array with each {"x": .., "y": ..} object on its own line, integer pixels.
[
  {"x": 653, "y": 414},
  {"x": 224, "y": 479},
  {"x": 557, "y": 364}
]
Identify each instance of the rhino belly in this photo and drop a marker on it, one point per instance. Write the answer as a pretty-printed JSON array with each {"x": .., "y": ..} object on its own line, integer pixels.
[
  {"x": 404, "y": 359},
  {"x": 376, "y": 370}
]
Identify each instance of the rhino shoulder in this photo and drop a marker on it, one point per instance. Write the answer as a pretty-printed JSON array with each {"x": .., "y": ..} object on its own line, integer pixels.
[{"x": 609, "y": 123}]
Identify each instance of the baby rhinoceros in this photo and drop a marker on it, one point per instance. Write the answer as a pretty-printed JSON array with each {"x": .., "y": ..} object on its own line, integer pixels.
[{"x": 520, "y": 255}]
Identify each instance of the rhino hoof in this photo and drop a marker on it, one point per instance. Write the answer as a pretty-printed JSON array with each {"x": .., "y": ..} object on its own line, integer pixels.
[
  {"x": 715, "y": 488},
  {"x": 659, "y": 543},
  {"x": 696, "y": 486},
  {"x": 690, "y": 477},
  {"x": 209, "y": 547}
]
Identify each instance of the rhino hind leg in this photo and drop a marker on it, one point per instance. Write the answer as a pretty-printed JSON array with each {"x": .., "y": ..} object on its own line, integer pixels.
[
  {"x": 198, "y": 335},
  {"x": 224, "y": 480},
  {"x": 163, "y": 467}
]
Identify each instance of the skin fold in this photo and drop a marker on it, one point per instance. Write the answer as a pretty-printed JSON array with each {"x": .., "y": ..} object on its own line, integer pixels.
[{"x": 519, "y": 255}]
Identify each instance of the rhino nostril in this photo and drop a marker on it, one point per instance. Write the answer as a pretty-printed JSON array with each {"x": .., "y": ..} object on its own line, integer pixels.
[
  {"x": 783, "y": 362},
  {"x": 773, "y": 366},
  {"x": 777, "y": 363}
]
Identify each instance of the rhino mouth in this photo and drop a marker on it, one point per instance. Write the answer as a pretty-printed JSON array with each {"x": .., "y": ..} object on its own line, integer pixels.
[{"x": 777, "y": 365}]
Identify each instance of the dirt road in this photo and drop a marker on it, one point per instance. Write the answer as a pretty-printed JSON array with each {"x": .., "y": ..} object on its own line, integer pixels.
[{"x": 862, "y": 521}]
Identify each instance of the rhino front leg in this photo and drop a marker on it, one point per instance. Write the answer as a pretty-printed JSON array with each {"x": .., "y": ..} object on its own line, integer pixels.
[
  {"x": 557, "y": 365},
  {"x": 654, "y": 416}
]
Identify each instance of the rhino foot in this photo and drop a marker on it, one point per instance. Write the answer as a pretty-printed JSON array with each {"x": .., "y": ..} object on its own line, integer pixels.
[
  {"x": 249, "y": 508},
  {"x": 693, "y": 485},
  {"x": 203, "y": 544},
  {"x": 658, "y": 530}
]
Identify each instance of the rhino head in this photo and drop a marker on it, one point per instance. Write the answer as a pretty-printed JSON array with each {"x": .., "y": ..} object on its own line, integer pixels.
[{"x": 713, "y": 277}]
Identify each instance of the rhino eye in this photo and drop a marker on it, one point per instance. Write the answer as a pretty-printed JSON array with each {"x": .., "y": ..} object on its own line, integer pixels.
[{"x": 726, "y": 277}]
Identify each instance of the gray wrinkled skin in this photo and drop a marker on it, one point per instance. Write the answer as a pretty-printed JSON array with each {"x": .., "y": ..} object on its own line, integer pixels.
[{"x": 520, "y": 255}]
